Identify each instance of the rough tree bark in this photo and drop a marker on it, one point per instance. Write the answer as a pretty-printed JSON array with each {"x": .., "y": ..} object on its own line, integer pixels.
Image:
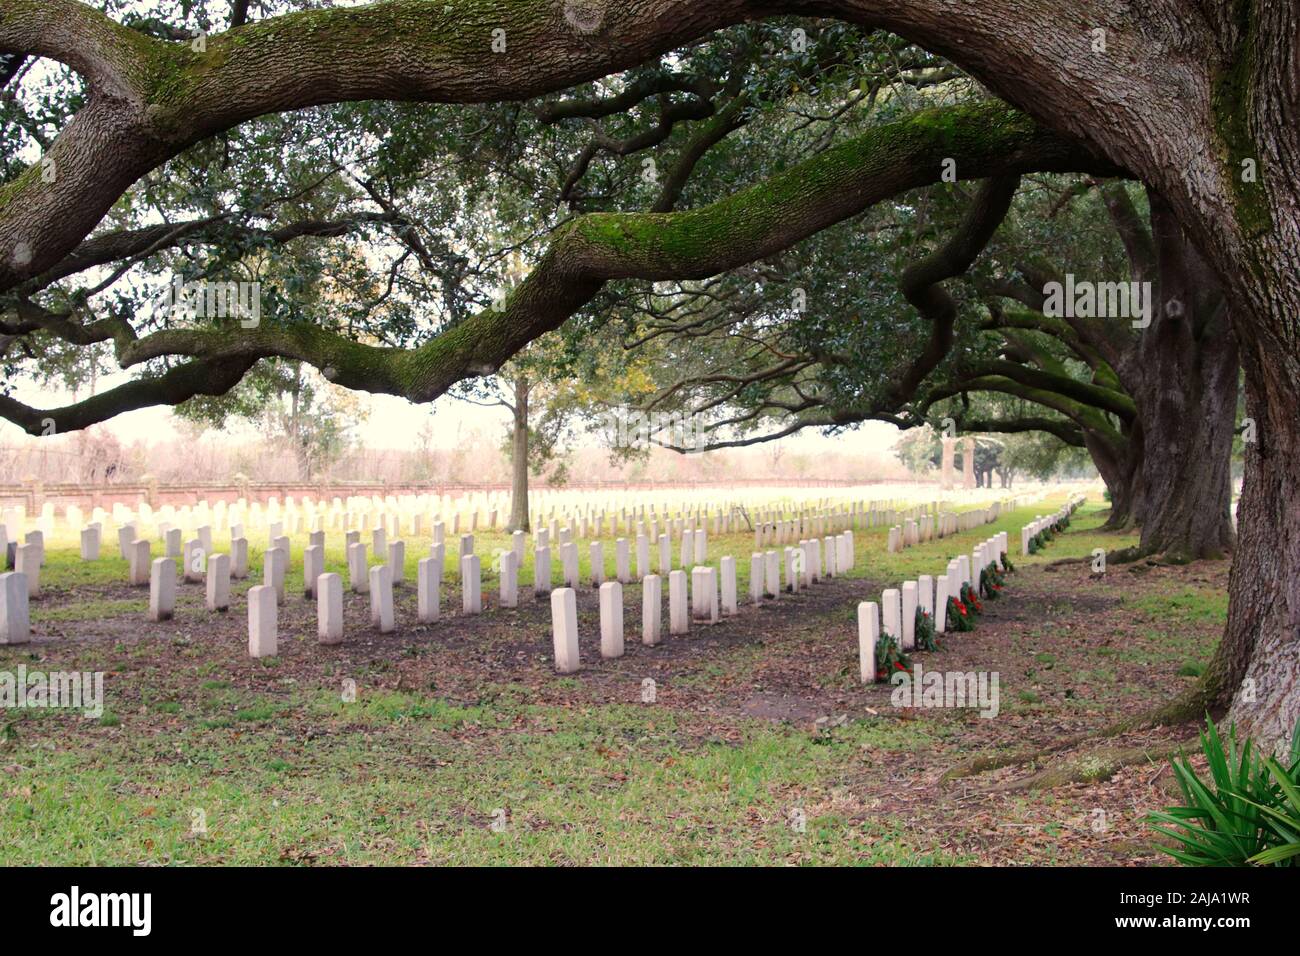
[
  {"x": 1183, "y": 376},
  {"x": 1121, "y": 470},
  {"x": 519, "y": 458}
]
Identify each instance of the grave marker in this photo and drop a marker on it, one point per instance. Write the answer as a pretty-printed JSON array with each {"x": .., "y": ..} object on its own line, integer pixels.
[
  {"x": 239, "y": 558},
  {"x": 313, "y": 566},
  {"x": 428, "y": 590},
  {"x": 138, "y": 568},
  {"x": 90, "y": 544},
  {"x": 611, "y": 619},
  {"x": 471, "y": 584},
  {"x": 28, "y": 563},
  {"x": 564, "y": 628},
  {"x": 677, "y": 611},
  {"x": 357, "y": 579},
  {"x": 909, "y": 615},
  {"x": 509, "y": 588},
  {"x": 541, "y": 571},
  {"x": 15, "y": 614},
  {"x": 217, "y": 589},
  {"x": 329, "y": 609},
  {"x": 261, "y": 621},
  {"x": 381, "y": 598},
  {"x": 729, "y": 602},
  {"x": 274, "y": 565},
  {"x": 868, "y": 634},
  {"x": 651, "y": 609}
]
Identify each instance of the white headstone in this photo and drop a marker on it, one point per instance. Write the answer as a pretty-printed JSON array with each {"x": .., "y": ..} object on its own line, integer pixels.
[
  {"x": 261, "y": 621},
  {"x": 125, "y": 535},
  {"x": 313, "y": 566},
  {"x": 509, "y": 589},
  {"x": 569, "y": 564},
  {"x": 162, "y": 589},
  {"x": 274, "y": 568},
  {"x": 27, "y": 562},
  {"x": 217, "y": 588},
  {"x": 195, "y": 562},
  {"x": 15, "y": 615},
  {"x": 89, "y": 544},
  {"x": 611, "y": 619},
  {"x": 140, "y": 556},
  {"x": 239, "y": 558},
  {"x": 700, "y": 610},
  {"x": 651, "y": 609},
  {"x": 891, "y": 614},
  {"x": 381, "y": 598},
  {"x": 397, "y": 561},
  {"x": 677, "y": 610},
  {"x": 622, "y": 561},
  {"x": 642, "y": 556},
  {"x": 909, "y": 615},
  {"x": 428, "y": 590},
  {"x": 329, "y": 608},
  {"x": 471, "y": 583},
  {"x": 542, "y": 571},
  {"x": 729, "y": 602},
  {"x": 868, "y": 634},
  {"x": 941, "y": 606},
  {"x": 564, "y": 629},
  {"x": 357, "y": 574}
]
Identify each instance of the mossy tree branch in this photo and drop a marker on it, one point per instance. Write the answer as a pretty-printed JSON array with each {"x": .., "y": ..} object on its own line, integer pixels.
[{"x": 992, "y": 139}]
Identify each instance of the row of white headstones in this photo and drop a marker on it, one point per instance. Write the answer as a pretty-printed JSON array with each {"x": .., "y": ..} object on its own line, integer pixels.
[
  {"x": 896, "y": 612},
  {"x": 1043, "y": 522},
  {"x": 900, "y": 604},
  {"x": 804, "y": 562},
  {"x": 417, "y": 512}
]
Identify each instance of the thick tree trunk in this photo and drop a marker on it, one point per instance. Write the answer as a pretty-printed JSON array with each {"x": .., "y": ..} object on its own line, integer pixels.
[
  {"x": 1122, "y": 473},
  {"x": 1183, "y": 376},
  {"x": 1258, "y": 661},
  {"x": 519, "y": 459}
]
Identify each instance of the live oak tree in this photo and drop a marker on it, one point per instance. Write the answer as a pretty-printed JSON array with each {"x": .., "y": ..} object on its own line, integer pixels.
[
  {"x": 1093, "y": 380},
  {"x": 1197, "y": 101},
  {"x": 1152, "y": 397}
]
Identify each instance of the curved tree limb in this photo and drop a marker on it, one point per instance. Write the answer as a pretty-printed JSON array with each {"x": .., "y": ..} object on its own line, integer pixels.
[
  {"x": 153, "y": 99},
  {"x": 693, "y": 244},
  {"x": 170, "y": 388}
]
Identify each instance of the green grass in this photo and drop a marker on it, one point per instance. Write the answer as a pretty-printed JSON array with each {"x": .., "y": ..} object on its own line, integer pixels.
[{"x": 396, "y": 779}]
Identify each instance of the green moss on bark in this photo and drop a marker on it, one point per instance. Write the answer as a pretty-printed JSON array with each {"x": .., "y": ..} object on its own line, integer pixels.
[{"x": 1231, "y": 103}]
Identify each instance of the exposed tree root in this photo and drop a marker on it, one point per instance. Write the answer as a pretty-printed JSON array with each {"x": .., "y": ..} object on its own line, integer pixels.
[
  {"x": 1093, "y": 766},
  {"x": 1066, "y": 562},
  {"x": 1127, "y": 555},
  {"x": 1193, "y": 705}
]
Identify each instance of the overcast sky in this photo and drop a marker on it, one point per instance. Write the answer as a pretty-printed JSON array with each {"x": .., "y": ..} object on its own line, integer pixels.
[{"x": 394, "y": 421}]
